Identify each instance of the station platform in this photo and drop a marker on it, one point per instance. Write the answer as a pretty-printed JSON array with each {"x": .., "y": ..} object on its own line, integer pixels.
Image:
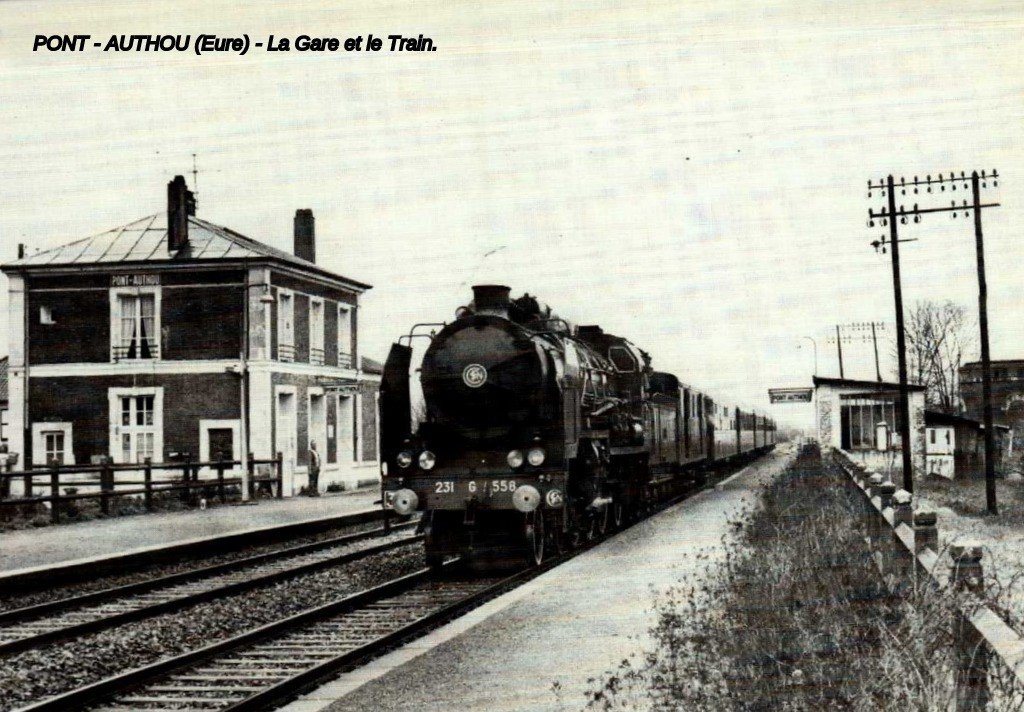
[
  {"x": 574, "y": 622},
  {"x": 66, "y": 544}
]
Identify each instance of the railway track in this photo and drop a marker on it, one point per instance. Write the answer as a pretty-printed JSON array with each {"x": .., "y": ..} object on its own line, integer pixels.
[
  {"x": 271, "y": 664},
  {"x": 33, "y": 626}
]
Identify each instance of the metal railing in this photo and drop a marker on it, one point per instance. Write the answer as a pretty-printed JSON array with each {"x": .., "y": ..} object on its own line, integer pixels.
[
  {"x": 316, "y": 356},
  {"x": 344, "y": 360},
  {"x": 129, "y": 352},
  {"x": 111, "y": 480},
  {"x": 285, "y": 352}
]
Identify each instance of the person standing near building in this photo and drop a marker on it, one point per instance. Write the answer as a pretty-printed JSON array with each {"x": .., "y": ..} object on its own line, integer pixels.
[{"x": 314, "y": 471}]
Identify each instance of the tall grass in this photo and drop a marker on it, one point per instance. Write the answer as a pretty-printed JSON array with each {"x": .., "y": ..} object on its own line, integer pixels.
[{"x": 796, "y": 617}]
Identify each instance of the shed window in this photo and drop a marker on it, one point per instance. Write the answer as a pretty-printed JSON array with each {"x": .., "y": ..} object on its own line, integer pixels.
[
  {"x": 860, "y": 415},
  {"x": 46, "y": 315}
]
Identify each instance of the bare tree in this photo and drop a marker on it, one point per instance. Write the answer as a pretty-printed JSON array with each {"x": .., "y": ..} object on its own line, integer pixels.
[{"x": 939, "y": 336}]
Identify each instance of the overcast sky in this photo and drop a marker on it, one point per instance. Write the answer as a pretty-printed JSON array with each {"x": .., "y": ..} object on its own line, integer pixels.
[{"x": 690, "y": 175}]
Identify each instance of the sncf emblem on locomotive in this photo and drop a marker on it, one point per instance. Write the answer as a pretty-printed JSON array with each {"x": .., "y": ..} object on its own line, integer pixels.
[{"x": 474, "y": 375}]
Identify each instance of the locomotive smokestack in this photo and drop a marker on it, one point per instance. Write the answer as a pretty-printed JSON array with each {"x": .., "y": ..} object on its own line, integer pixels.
[{"x": 491, "y": 299}]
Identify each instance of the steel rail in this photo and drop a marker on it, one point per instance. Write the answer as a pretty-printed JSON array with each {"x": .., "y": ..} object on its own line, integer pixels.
[
  {"x": 30, "y": 616},
  {"x": 127, "y": 691}
]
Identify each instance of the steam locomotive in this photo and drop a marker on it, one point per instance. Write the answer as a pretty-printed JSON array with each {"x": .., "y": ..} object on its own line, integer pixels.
[{"x": 537, "y": 435}]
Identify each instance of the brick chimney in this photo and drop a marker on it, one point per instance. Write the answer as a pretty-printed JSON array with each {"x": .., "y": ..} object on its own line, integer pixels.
[
  {"x": 180, "y": 204},
  {"x": 305, "y": 235}
]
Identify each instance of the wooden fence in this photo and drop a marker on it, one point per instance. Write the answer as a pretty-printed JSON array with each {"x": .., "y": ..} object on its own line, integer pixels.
[
  {"x": 107, "y": 481},
  {"x": 905, "y": 544}
]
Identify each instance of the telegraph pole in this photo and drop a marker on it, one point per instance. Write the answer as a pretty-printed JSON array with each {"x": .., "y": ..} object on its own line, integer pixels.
[
  {"x": 986, "y": 365},
  {"x": 874, "y": 340},
  {"x": 839, "y": 348},
  {"x": 889, "y": 217}
]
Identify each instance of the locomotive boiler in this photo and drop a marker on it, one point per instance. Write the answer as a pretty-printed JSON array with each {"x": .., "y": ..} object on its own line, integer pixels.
[{"x": 533, "y": 435}]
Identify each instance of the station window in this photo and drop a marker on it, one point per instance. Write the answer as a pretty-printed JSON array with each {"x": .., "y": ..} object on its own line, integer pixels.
[
  {"x": 46, "y": 315},
  {"x": 316, "y": 332},
  {"x": 345, "y": 356},
  {"x": 285, "y": 326},
  {"x": 135, "y": 324},
  {"x": 137, "y": 424},
  {"x": 53, "y": 445}
]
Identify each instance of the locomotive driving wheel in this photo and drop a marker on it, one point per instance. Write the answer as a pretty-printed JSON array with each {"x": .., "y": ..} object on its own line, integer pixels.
[
  {"x": 602, "y": 519},
  {"x": 536, "y": 537},
  {"x": 618, "y": 513}
]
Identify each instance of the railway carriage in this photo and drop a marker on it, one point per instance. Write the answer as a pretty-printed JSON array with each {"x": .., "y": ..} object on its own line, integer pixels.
[{"x": 536, "y": 435}]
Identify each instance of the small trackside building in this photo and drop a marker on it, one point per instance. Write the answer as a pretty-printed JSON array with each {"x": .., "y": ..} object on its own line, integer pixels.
[{"x": 171, "y": 337}]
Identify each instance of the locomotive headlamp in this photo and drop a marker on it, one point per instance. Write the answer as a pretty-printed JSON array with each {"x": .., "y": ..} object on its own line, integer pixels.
[
  {"x": 515, "y": 459},
  {"x": 536, "y": 456},
  {"x": 427, "y": 460},
  {"x": 526, "y": 498},
  {"x": 405, "y": 502},
  {"x": 404, "y": 459},
  {"x": 555, "y": 498}
]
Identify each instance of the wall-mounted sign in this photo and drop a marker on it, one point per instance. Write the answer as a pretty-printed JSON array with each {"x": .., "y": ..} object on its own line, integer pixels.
[
  {"x": 134, "y": 280},
  {"x": 790, "y": 395}
]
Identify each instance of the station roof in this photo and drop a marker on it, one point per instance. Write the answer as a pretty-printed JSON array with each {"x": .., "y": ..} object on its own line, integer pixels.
[
  {"x": 3, "y": 379},
  {"x": 145, "y": 240},
  {"x": 856, "y": 383}
]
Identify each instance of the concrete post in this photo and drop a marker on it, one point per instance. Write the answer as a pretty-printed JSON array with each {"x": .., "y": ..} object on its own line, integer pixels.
[
  {"x": 926, "y": 534},
  {"x": 874, "y": 483},
  {"x": 971, "y": 650},
  {"x": 886, "y": 491},
  {"x": 903, "y": 512}
]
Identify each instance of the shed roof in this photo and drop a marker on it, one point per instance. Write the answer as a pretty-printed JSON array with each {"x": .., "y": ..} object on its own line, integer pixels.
[
  {"x": 145, "y": 240},
  {"x": 935, "y": 417},
  {"x": 855, "y": 383}
]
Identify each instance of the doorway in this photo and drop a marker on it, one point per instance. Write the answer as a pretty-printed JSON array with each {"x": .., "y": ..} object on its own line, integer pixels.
[{"x": 285, "y": 434}]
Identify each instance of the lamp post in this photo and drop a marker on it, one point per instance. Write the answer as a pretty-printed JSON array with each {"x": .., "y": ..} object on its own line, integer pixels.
[{"x": 815, "y": 343}]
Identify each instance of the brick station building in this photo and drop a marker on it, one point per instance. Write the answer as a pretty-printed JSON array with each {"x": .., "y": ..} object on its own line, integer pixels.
[
  {"x": 171, "y": 337},
  {"x": 1007, "y": 396}
]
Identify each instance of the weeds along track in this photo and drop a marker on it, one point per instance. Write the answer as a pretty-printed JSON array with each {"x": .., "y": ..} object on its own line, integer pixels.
[{"x": 63, "y": 619}]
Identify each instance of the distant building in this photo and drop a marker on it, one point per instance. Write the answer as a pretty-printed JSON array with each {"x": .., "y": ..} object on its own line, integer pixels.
[
  {"x": 863, "y": 417},
  {"x": 955, "y": 445},
  {"x": 171, "y": 336},
  {"x": 1007, "y": 395},
  {"x": 4, "y": 416}
]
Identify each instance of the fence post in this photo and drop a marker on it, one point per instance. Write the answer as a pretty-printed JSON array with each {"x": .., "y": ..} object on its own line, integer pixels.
[
  {"x": 106, "y": 485},
  {"x": 27, "y": 482},
  {"x": 5, "y": 483},
  {"x": 971, "y": 650},
  {"x": 875, "y": 482},
  {"x": 220, "y": 477},
  {"x": 903, "y": 512},
  {"x": 250, "y": 468},
  {"x": 186, "y": 478},
  {"x": 279, "y": 466},
  {"x": 54, "y": 491},
  {"x": 886, "y": 490},
  {"x": 147, "y": 474},
  {"x": 874, "y": 517},
  {"x": 926, "y": 534}
]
